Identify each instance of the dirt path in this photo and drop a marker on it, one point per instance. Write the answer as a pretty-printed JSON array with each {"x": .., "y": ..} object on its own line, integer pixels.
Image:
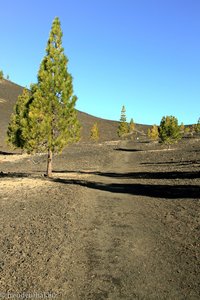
[
  {"x": 117, "y": 224},
  {"x": 138, "y": 247}
]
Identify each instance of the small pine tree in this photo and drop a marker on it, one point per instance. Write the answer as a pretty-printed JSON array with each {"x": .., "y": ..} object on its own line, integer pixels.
[
  {"x": 123, "y": 127},
  {"x": 197, "y": 126},
  {"x": 49, "y": 117},
  {"x": 94, "y": 133},
  {"x": 131, "y": 126},
  {"x": 16, "y": 135},
  {"x": 187, "y": 130},
  {"x": 153, "y": 133},
  {"x": 182, "y": 128},
  {"x": 1, "y": 75},
  {"x": 169, "y": 130},
  {"x": 193, "y": 128}
]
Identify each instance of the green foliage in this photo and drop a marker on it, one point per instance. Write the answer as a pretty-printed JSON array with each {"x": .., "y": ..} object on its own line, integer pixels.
[
  {"x": 49, "y": 119},
  {"x": 131, "y": 126},
  {"x": 169, "y": 130},
  {"x": 94, "y": 133},
  {"x": 54, "y": 101},
  {"x": 182, "y": 128},
  {"x": 187, "y": 130},
  {"x": 1, "y": 75},
  {"x": 153, "y": 133},
  {"x": 123, "y": 127},
  {"x": 123, "y": 114},
  {"x": 16, "y": 134},
  {"x": 197, "y": 126}
]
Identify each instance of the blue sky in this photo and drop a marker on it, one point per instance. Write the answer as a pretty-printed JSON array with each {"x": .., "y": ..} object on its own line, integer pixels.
[{"x": 144, "y": 54}]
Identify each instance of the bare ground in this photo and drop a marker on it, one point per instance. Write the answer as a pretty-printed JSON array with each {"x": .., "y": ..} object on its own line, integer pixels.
[{"x": 115, "y": 222}]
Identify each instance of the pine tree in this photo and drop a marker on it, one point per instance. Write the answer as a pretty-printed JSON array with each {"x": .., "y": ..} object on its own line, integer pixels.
[
  {"x": 182, "y": 128},
  {"x": 94, "y": 133},
  {"x": 153, "y": 133},
  {"x": 51, "y": 119},
  {"x": 197, "y": 126},
  {"x": 131, "y": 126},
  {"x": 169, "y": 130},
  {"x": 16, "y": 134},
  {"x": 123, "y": 128},
  {"x": 187, "y": 130},
  {"x": 1, "y": 75}
]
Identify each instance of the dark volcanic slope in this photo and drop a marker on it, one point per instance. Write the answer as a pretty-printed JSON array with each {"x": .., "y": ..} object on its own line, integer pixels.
[{"x": 9, "y": 92}]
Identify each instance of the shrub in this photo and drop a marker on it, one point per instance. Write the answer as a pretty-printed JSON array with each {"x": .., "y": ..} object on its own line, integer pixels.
[{"x": 169, "y": 130}]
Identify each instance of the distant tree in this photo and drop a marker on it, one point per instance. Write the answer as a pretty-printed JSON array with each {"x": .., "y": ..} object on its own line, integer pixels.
[
  {"x": 187, "y": 130},
  {"x": 1, "y": 75},
  {"x": 153, "y": 133},
  {"x": 131, "y": 126},
  {"x": 7, "y": 77},
  {"x": 49, "y": 119},
  {"x": 169, "y": 130},
  {"x": 182, "y": 128},
  {"x": 123, "y": 127},
  {"x": 197, "y": 126},
  {"x": 94, "y": 133},
  {"x": 192, "y": 131}
]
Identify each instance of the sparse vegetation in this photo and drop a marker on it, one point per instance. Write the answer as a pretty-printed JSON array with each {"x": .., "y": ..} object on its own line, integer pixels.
[
  {"x": 123, "y": 128},
  {"x": 153, "y": 133},
  {"x": 94, "y": 133},
  {"x": 187, "y": 130},
  {"x": 49, "y": 120},
  {"x": 131, "y": 126},
  {"x": 197, "y": 126},
  {"x": 182, "y": 128},
  {"x": 1, "y": 75},
  {"x": 169, "y": 130}
]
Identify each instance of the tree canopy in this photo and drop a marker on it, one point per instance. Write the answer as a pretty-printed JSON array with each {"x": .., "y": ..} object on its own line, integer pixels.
[
  {"x": 169, "y": 130},
  {"x": 45, "y": 119},
  {"x": 123, "y": 127}
]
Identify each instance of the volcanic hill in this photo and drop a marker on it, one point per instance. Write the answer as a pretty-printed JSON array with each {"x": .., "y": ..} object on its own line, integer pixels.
[{"x": 9, "y": 93}]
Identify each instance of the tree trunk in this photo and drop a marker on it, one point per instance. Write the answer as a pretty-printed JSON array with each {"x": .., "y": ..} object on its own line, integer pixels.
[{"x": 49, "y": 163}]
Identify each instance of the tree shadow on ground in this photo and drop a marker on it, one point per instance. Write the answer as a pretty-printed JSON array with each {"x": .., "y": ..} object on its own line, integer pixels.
[
  {"x": 21, "y": 175},
  {"x": 141, "y": 175},
  {"x": 149, "y": 190},
  {"x": 127, "y": 150},
  {"x": 156, "y": 191},
  {"x": 180, "y": 163},
  {"x": 8, "y": 153},
  {"x": 14, "y": 175}
]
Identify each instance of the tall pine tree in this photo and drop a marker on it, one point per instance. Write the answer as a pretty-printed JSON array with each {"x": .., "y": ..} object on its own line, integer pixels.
[
  {"x": 123, "y": 127},
  {"x": 51, "y": 119}
]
